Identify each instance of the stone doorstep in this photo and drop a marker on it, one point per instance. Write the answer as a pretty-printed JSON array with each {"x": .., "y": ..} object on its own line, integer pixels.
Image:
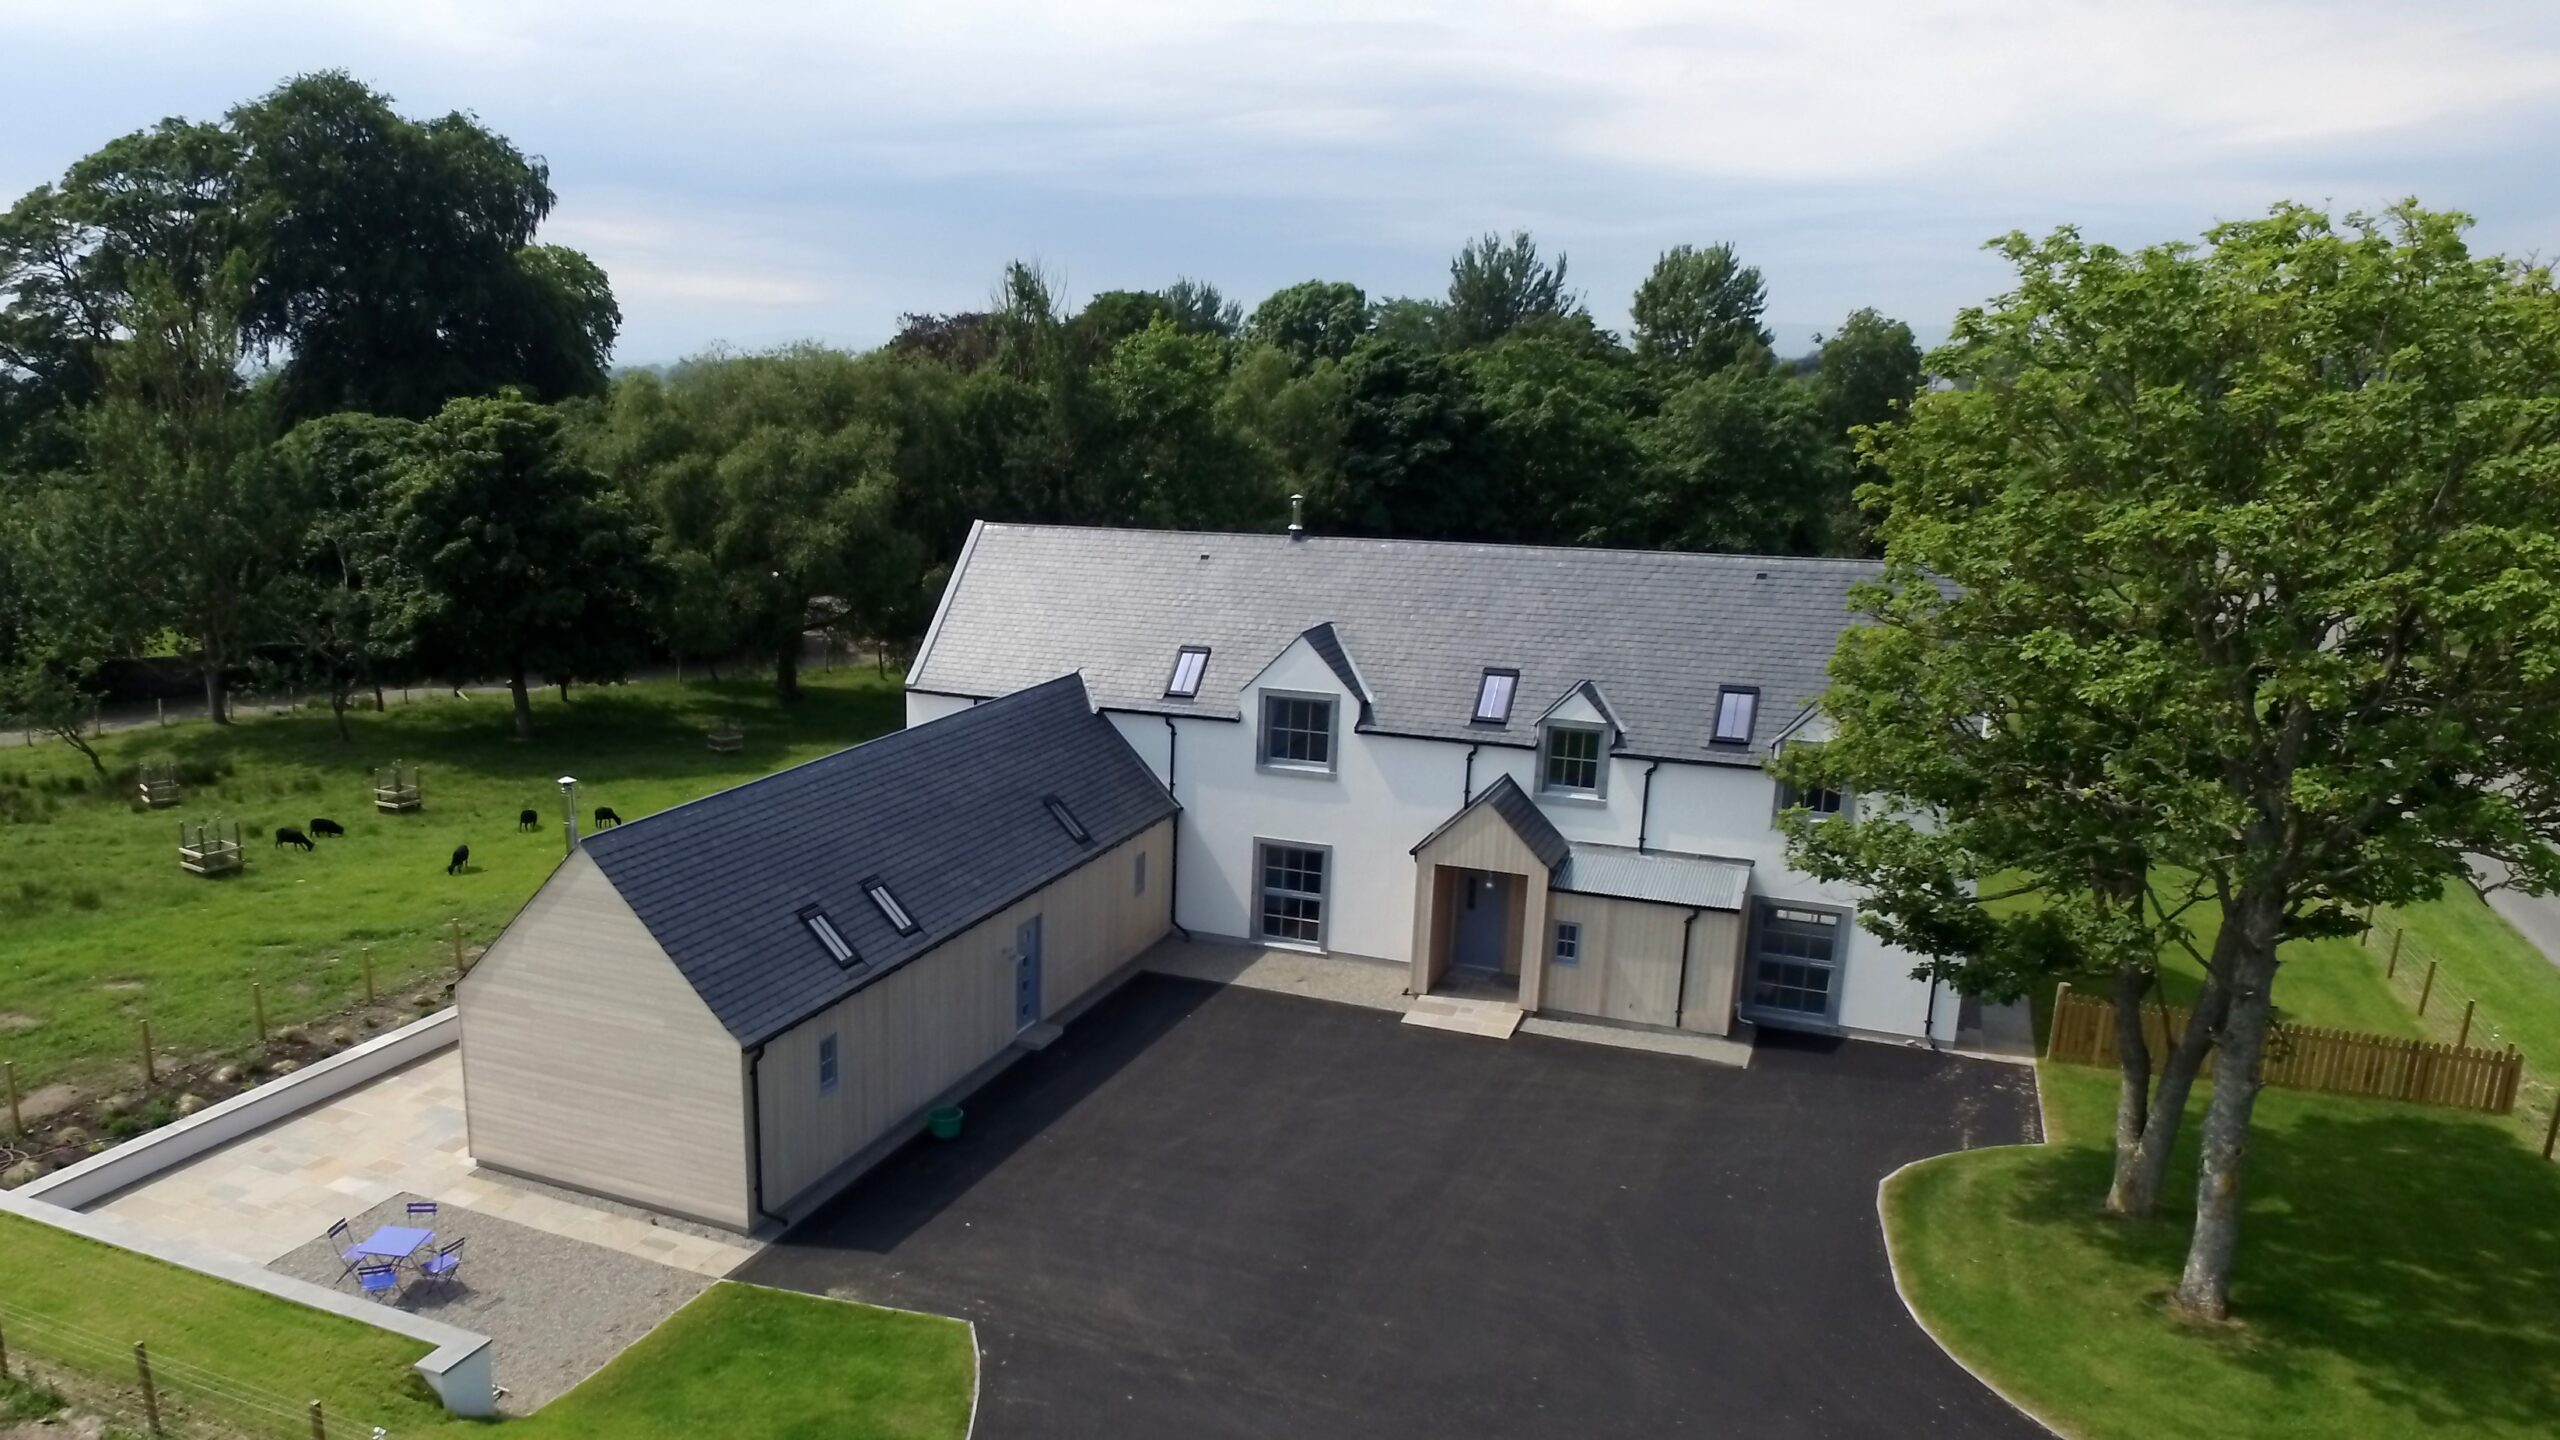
[{"x": 1489, "y": 1018}]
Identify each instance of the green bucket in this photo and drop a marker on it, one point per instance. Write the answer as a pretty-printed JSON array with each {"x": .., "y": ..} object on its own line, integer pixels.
[{"x": 944, "y": 1122}]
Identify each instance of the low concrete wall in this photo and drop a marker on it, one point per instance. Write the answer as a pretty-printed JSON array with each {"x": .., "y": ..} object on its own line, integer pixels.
[
  {"x": 79, "y": 1186},
  {"x": 457, "y": 1367}
]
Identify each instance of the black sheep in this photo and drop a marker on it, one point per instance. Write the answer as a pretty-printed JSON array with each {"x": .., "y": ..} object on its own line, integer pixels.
[
  {"x": 528, "y": 820},
  {"x": 323, "y": 825},
  {"x": 461, "y": 858},
  {"x": 605, "y": 817},
  {"x": 290, "y": 836}
]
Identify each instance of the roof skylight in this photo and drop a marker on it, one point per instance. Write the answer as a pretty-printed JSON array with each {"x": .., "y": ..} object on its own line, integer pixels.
[
  {"x": 1493, "y": 696},
  {"x": 1735, "y": 706},
  {"x": 1067, "y": 820},
  {"x": 825, "y": 929},
  {"x": 1189, "y": 664},
  {"x": 890, "y": 910}
]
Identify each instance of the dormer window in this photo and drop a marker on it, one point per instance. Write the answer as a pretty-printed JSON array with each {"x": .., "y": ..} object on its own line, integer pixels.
[
  {"x": 825, "y": 929},
  {"x": 1297, "y": 733},
  {"x": 1493, "y": 697},
  {"x": 1189, "y": 664},
  {"x": 1572, "y": 761},
  {"x": 1736, "y": 707},
  {"x": 890, "y": 910}
]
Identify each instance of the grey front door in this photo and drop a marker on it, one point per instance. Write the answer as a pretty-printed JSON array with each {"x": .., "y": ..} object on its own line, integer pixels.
[
  {"x": 1483, "y": 898},
  {"x": 1026, "y": 974}
]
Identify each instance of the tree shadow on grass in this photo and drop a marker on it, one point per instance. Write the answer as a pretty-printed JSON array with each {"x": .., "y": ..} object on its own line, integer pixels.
[{"x": 2419, "y": 1247}]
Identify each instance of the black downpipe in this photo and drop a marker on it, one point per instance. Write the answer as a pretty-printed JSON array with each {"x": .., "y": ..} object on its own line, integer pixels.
[
  {"x": 1644, "y": 811},
  {"x": 1469, "y": 789},
  {"x": 1680, "y": 997},
  {"x": 755, "y": 1133},
  {"x": 1173, "y": 852}
]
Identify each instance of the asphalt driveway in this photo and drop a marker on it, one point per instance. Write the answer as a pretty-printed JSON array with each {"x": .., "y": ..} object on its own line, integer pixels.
[{"x": 1214, "y": 1212}]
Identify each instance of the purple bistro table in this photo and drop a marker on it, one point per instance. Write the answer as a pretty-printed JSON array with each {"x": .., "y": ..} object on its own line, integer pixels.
[{"x": 396, "y": 1242}]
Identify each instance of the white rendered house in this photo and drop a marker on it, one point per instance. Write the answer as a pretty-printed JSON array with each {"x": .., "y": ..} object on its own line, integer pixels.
[{"x": 1526, "y": 772}]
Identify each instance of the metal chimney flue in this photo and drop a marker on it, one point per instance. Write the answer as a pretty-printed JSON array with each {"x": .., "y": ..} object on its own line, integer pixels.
[{"x": 1297, "y": 517}]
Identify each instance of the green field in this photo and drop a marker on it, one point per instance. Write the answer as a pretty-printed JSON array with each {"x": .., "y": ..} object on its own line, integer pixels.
[
  {"x": 102, "y": 929},
  {"x": 739, "y": 1361},
  {"x": 2396, "y": 1276}
]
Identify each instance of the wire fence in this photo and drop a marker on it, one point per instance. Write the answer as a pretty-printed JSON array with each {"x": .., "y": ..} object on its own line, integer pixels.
[
  {"x": 154, "y": 1393},
  {"x": 2448, "y": 1010}
]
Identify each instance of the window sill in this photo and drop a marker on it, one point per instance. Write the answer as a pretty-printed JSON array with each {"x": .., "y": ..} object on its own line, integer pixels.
[
  {"x": 1302, "y": 947},
  {"x": 1587, "y": 798},
  {"x": 1304, "y": 772}
]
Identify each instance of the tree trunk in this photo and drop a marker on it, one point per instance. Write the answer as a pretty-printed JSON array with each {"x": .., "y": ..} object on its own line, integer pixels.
[
  {"x": 564, "y": 691},
  {"x": 340, "y": 696},
  {"x": 217, "y": 688},
  {"x": 2133, "y": 1080},
  {"x": 524, "y": 701},
  {"x": 2204, "y": 1289},
  {"x": 2139, "y": 1176},
  {"x": 786, "y": 667},
  {"x": 77, "y": 741}
]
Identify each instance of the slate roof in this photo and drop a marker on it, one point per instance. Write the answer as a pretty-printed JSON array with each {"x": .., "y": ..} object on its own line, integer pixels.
[
  {"x": 1664, "y": 875},
  {"x": 1658, "y": 632},
  {"x": 1519, "y": 812},
  {"x": 950, "y": 814}
]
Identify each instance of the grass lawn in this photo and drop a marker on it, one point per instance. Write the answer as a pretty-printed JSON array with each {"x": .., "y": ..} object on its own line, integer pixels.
[
  {"x": 2397, "y": 1276},
  {"x": 101, "y": 928},
  {"x": 739, "y": 1362},
  {"x": 2481, "y": 957}
]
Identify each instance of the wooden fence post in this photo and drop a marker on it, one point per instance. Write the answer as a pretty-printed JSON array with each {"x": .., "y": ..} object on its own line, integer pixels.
[
  {"x": 2393, "y": 967},
  {"x": 150, "y": 1075},
  {"x": 2551, "y": 1132},
  {"x": 319, "y": 1427},
  {"x": 2427, "y": 989},
  {"x": 150, "y": 1396},
  {"x": 2464, "y": 1038},
  {"x": 457, "y": 947},
  {"x": 17, "y": 1126},
  {"x": 2053, "y": 1037},
  {"x": 258, "y": 1007},
  {"x": 368, "y": 975},
  {"x": 4, "y": 1354}
]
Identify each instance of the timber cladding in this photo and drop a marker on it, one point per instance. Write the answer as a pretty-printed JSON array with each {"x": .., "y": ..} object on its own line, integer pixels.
[
  {"x": 2307, "y": 1057},
  {"x": 1630, "y": 968},
  {"x": 912, "y": 1034},
  {"x": 1480, "y": 839}
]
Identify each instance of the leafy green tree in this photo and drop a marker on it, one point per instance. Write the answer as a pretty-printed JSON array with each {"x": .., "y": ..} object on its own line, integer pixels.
[
  {"x": 1111, "y": 317},
  {"x": 1560, "y": 445},
  {"x": 1869, "y": 371},
  {"x": 511, "y": 558},
  {"x": 1196, "y": 308},
  {"x": 1412, "y": 449},
  {"x": 1181, "y": 462},
  {"x": 1737, "y": 459},
  {"x": 2273, "y": 515},
  {"x": 1294, "y": 416},
  {"x": 47, "y": 647},
  {"x": 1414, "y": 324},
  {"x": 1497, "y": 286},
  {"x": 1312, "y": 320},
  {"x": 1700, "y": 310},
  {"x": 330, "y": 604}
]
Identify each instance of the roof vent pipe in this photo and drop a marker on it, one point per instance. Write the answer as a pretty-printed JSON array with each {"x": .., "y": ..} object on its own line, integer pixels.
[{"x": 1297, "y": 517}]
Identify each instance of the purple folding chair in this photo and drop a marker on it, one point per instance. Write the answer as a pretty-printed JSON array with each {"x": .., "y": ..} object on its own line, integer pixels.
[
  {"x": 419, "y": 1208},
  {"x": 379, "y": 1279},
  {"x": 347, "y": 1253},
  {"x": 444, "y": 1264}
]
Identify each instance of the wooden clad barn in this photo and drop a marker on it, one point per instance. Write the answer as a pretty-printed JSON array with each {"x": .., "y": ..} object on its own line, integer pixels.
[{"x": 727, "y": 1010}]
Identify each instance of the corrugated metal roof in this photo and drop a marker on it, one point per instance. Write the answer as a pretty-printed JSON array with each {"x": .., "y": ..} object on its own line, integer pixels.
[
  {"x": 1658, "y": 632},
  {"x": 951, "y": 815},
  {"x": 1666, "y": 876}
]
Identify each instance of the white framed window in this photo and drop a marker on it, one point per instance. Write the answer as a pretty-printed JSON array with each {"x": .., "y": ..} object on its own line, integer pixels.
[
  {"x": 890, "y": 910},
  {"x": 1189, "y": 664},
  {"x": 829, "y": 1072},
  {"x": 1573, "y": 761},
  {"x": 1823, "y": 803},
  {"x": 829, "y": 937},
  {"x": 1493, "y": 696},
  {"x": 1737, "y": 706},
  {"x": 1568, "y": 947},
  {"x": 1297, "y": 732},
  {"x": 1293, "y": 884},
  {"x": 1138, "y": 874},
  {"x": 1795, "y": 962}
]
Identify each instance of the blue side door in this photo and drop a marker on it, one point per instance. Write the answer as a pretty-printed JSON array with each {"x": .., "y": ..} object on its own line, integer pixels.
[{"x": 1026, "y": 974}]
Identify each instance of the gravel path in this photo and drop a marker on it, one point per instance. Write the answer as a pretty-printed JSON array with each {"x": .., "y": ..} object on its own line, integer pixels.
[{"x": 557, "y": 1308}]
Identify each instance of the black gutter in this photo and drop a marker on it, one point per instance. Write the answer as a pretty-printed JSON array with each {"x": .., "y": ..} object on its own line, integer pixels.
[
  {"x": 1467, "y": 792},
  {"x": 1173, "y": 851},
  {"x": 755, "y": 1136},
  {"x": 1644, "y": 807},
  {"x": 1680, "y": 997}
]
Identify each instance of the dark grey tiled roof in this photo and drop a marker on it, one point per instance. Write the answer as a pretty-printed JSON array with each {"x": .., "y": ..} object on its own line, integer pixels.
[
  {"x": 1327, "y": 643},
  {"x": 1657, "y": 632},
  {"x": 949, "y": 814},
  {"x": 1523, "y": 816}
]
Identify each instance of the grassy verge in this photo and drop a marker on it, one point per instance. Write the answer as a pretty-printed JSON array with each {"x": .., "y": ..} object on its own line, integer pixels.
[
  {"x": 2396, "y": 1276},
  {"x": 101, "y": 928},
  {"x": 2479, "y": 956},
  {"x": 739, "y": 1362}
]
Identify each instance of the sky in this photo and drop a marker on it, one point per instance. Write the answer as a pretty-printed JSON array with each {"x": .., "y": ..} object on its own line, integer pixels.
[{"x": 751, "y": 173}]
